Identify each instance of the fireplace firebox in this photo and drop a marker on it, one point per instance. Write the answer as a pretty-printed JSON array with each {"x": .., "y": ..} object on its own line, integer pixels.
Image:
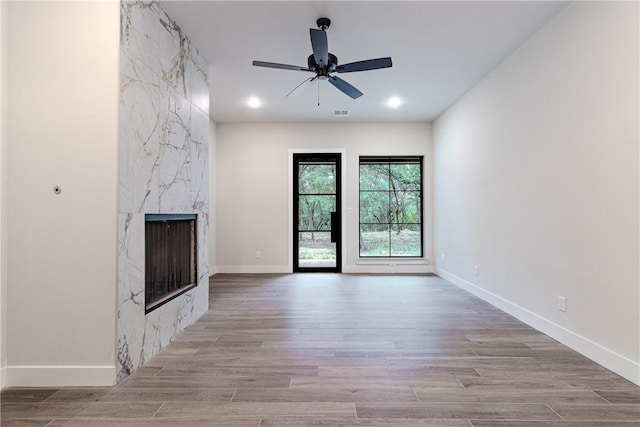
[{"x": 170, "y": 257}]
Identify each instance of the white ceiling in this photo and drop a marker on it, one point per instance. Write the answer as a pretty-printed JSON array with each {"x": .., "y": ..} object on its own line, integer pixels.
[{"x": 439, "y": 50}]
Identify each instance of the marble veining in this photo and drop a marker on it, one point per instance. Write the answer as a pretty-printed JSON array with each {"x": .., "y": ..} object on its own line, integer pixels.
[{"x": 163, "y": 157}]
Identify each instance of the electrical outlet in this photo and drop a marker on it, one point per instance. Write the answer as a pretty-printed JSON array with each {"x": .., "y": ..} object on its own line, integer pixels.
[
  {"x": 562, "y": 303},
  {"x": 476, "y": 269},
  {"x": 258, "y": 254}
]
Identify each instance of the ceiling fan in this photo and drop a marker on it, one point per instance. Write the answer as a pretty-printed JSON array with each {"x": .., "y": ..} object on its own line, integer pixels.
[{"x": 322, "y": 63}]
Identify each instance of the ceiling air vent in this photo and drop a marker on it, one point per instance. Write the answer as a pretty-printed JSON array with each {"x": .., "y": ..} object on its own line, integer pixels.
[{"x": 340, "y": 113}]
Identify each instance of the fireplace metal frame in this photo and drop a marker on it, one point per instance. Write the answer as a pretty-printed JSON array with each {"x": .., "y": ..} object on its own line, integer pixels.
[{"x": 171, "y": 296}]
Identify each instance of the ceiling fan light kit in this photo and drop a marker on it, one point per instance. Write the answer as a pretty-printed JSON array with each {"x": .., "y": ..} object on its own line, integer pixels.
[{"x": 322, "y": 63}]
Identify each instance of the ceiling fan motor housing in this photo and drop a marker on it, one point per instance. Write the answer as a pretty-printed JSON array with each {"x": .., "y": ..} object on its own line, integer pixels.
[
  {"x": 333, "y": 63},
  {"x": 323, "y": 23}
]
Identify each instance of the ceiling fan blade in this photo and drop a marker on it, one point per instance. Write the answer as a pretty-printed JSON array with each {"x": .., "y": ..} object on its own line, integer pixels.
[
  {"x": 280, "y": 66},
  {"x": 302, "y": 87},
  {"x": 369, "y": 64},
  {"x": 345, "y": 87},
  {"x": 320, "y": 46}
]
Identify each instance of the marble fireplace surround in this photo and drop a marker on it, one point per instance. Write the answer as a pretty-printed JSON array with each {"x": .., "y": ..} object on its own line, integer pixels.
[{"x": 163, "y": 158}]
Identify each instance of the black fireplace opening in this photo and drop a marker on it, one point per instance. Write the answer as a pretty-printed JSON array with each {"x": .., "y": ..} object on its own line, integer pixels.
[{"x": 170, "y": 257}]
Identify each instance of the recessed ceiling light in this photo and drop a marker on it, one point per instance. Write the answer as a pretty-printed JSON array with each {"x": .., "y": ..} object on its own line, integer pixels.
[
  {"x": 394, "y": 102},
  {"x": 254, "y": 102}
]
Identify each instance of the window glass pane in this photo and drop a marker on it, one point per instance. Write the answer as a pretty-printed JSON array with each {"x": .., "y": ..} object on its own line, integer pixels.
[
  {"x": 404, "y": 207},
  {"x": 405, "y": 176},
  {"x": 374, "y": 176},
  {"x": 374, "y": 240},
  {"x": 374, "y": 207},
  {"x": 317, "y": 178},
  {"x": 407, "y": 242},
  {"x": 315, "y": 212}
]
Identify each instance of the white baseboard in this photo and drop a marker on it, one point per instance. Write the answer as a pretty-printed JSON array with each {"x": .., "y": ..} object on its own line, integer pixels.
[
  {"x": 59, "y": 376},
  {"x": 254, "y": 269},
  {"x": 212, "y": 271},
  {"x": 609, "y": 359},
  {"x": 373, "y": 268},
  {"x": 3, "y": 378}
]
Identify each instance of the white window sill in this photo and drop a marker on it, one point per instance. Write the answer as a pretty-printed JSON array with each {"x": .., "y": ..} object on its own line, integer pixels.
[{"x": 392, "y": 261}]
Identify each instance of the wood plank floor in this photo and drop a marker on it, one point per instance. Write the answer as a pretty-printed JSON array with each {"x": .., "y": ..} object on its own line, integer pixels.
[{"x": 346, "y": 350}]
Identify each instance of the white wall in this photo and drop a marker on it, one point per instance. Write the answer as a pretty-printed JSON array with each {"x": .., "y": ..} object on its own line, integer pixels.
[
  {"x": 62, "y": 114},
  {"x": 3, "y": 191},
  {"x": 252, "y": 185},
  {"x": 212, "y": 198},
  {"x": 536, "y": 182}
]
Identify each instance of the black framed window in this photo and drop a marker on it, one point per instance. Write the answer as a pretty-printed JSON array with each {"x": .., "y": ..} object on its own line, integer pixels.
[{"x": 391, "y": 206}]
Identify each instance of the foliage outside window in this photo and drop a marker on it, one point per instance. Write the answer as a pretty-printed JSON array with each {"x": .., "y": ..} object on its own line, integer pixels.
[{"x": 391, "y": 207}]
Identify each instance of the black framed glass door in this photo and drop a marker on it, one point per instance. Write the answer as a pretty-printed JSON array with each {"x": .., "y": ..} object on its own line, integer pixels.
[{"x": 316, "y": 212}]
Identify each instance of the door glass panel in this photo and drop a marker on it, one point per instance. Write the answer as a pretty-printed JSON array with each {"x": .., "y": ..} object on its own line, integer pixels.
[
  {"x": 317, "y": 199},
  {"x": 317, "y": 178},
  {"x": 315, "y": 250},
  {"x": 314, "y": 212}
]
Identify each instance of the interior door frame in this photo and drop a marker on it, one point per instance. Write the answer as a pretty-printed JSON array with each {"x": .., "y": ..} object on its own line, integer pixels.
[{"x": 340, "y": 263}]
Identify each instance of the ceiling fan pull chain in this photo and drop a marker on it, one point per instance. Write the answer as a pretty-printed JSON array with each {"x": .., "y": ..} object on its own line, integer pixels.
[{"x": 318, "y": 92}]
